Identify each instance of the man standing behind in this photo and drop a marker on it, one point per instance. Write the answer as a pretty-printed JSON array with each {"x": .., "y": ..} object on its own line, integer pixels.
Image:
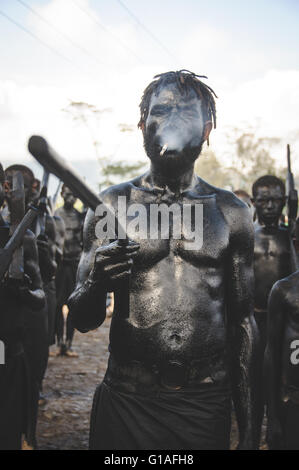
[
  {"x": 186, "y": 339},
  {"x": 18, "y": 299},
  {"x": 66, "y": 273},
  {"x": 282, "y": 365},
  {"x": 274, "y": 254}
]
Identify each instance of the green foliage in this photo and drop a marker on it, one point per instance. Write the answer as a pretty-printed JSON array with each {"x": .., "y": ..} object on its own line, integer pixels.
[
  {"x": 116, "y": 172},
  {"x": 251, "y": 158},
  {"x": 207, "y": 166}
]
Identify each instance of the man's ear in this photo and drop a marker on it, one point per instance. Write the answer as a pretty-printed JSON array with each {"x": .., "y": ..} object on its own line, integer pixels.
[
  {"x": 207, "y": 130},
  {"x": 253, "y": 201}
]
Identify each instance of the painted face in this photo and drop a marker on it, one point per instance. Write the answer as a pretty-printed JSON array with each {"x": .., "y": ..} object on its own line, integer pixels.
[
  {"x": 27, "y": 185},
  {"x": 69, "y": 198},
  {"x": 35, "y": 190},
  {"x": 269, "y": 202},
  {"x": 174, "y": 125}
]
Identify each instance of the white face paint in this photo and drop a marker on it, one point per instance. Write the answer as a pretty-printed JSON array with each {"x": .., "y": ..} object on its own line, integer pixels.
[{"x": 177, "y": 120}]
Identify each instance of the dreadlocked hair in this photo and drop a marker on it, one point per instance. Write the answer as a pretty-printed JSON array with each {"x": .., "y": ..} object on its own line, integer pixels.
[
  {"x": 184, "y": 80},
  {"x": 2, "y": 176}
]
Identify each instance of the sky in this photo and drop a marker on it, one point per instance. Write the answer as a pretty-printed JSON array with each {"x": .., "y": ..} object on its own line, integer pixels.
[{"x": 105, "y": 52}]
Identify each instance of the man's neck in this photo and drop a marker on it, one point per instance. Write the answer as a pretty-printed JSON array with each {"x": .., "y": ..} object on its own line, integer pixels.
[
  {"x": 68, "y": 208},
  {"x": 177, "y": 182},
  {"x": 269, "y": 226}
]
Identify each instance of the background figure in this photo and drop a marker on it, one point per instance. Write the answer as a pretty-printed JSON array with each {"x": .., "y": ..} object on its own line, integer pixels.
[
  {"x": 274, "y": 254},
  {"x": 22, "y": 324},
  {"x": 282, "y": 365},
  {"x": 66, "y": 273}
]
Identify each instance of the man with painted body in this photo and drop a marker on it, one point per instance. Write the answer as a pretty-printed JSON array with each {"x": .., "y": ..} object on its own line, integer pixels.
[
  {"x": 274, "y": 255},
  {"x": 282, "y": 364},
  {"x": 36, "y": 342},
  {"x": 16, "y": 297},
  {"x": 187, "y": 342},
  {"x": 66, "y": 274}
]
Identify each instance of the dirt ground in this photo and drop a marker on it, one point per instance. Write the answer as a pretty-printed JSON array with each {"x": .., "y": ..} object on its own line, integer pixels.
[{"x": 69, "y": 386}]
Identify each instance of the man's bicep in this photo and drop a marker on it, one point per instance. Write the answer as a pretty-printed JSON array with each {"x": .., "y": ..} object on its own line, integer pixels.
[
  {"x": 31, "y": 260},
  {"x": 240, "y": 270},
  {"x": 276, "y": 310},
  {"x": 90, "y": 244},
  {"x": 86, "y": 264}
]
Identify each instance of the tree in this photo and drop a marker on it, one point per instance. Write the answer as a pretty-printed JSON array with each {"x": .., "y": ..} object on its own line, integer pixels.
[
  {"x": 207, "y": 166},
  {"x": 252, "y": 158}
]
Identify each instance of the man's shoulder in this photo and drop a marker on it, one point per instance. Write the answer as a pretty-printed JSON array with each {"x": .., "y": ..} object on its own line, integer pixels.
[
  {"x": 231, "y": 206},
  {"x": 112, "y": 193},
  {"x": 279, "y": 292},
  {"x": 284, "y": 286},
  {"x": 110, "y": 197},
  {"x": 29, "y": 243}
]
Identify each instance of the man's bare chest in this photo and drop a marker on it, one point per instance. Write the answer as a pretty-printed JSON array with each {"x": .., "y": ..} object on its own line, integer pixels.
[
  {"x": 192, "y": 229},
  {"x": 271, "y": 247}
]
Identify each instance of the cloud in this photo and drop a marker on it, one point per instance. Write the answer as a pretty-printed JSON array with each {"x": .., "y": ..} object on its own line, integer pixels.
[
  {"x": 219, "y": 54},
  {"x": 92, "y": 41},
  {"x": 249, "y": 91},
  {"x": 268, "y": 104}
]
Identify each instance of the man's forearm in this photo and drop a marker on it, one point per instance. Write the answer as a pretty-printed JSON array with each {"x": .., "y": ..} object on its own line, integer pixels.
[
  {"x": 87, "y": 305},
  {"x": 273, "y": 388},
  {"x": 35, "y": 299},
  {"x": 244, "y": 377}
]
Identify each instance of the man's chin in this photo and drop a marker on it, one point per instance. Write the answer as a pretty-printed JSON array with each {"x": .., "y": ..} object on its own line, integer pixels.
[
  {"x": 270, "y": 220},
  {"x": 173, "y": 157}
]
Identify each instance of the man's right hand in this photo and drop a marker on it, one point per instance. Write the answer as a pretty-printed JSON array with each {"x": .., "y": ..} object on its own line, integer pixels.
[{"x": 113, "y": 263}]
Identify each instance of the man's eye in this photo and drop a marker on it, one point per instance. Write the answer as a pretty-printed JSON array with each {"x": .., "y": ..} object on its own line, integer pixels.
[
  {"x": 189, "y": 111},
  {"x": 262, "y": 201},
  {"x": 160, "y": 110}
]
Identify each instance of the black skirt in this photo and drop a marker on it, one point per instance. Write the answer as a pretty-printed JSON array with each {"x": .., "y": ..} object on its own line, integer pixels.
[{"x": 198, "y": 418}]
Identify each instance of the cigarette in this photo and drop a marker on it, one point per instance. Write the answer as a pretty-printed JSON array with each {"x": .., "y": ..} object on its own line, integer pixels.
[{"x": 164, "y": 148}]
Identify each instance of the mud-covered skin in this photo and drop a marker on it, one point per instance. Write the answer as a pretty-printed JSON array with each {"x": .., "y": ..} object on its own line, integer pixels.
[
  {"x": 272, "y": 260},
  {"x": 184, "y": 304},
  {"x": 46, "y": 243},
  {"x": 178, "y": 297},
  {"x": 282, "y": 375},
  {"x": 47, "y": 247},
  {"x": 273, "y": 252},
  {"x": 29, "y": 292},
  {"x": 60, "y": 234},
  {"x": 73, "y": 226}
]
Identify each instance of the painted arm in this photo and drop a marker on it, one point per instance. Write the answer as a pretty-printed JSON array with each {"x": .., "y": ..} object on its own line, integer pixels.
[
  {"x": 273, "y": 366},
  {"x": 102, "y": 268},
  {"x": 47, "y": 251},
  {"x": 32, "y": 293},
  {"x": 242, "y": 328},
  {"x": 60, "y": 236}
]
